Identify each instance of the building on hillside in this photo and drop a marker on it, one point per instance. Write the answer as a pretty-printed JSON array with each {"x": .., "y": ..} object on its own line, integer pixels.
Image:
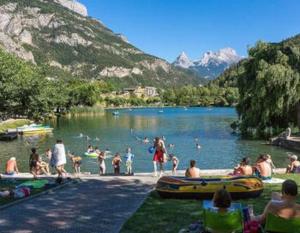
[
  {"x": 141, "y": 92},
  {"x": 151, "y": 91}
]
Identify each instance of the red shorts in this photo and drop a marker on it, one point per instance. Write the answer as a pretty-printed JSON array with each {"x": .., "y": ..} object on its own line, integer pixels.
[{"x": 158, "y": 156}]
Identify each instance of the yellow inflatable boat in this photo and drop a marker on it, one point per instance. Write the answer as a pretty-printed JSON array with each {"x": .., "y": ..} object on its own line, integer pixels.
[{"x": 197, "y": 188}]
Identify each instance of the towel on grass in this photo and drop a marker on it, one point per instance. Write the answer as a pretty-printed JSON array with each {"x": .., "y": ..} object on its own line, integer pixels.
[{"x": 274, "y": 181}]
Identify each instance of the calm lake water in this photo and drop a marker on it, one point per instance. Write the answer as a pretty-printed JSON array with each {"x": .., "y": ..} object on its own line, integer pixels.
[{"x": 220, "y": 148}]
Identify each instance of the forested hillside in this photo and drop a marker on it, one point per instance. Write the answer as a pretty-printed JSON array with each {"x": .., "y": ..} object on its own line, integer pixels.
[{"x": 67, "y": 44}]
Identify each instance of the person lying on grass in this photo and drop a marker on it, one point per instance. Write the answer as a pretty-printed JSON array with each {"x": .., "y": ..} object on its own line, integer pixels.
[{"x": 283, "y": 205}]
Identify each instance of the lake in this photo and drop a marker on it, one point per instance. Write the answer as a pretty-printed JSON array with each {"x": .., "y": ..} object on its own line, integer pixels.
[{"x": 180, "y": 126}]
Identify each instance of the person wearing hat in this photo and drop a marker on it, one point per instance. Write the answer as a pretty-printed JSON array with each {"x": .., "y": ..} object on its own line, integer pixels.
[
  {"x": 11, "y": 166},
  {"x": 294, "y": 166}
]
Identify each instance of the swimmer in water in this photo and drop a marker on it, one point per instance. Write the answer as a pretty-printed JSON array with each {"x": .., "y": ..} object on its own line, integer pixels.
[
  {"x": 171, "y": 145},
  {"x": 146, "y": 140},
  {"x": 198, "y": 146}
]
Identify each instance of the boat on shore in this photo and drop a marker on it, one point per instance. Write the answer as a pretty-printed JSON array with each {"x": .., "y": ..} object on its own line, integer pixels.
[
  {"x": 115, "y": 113},
  {"x": 34, "y": 129},
  {"x": 8, "y": 136},
  {"x": 198, "y": 188}
]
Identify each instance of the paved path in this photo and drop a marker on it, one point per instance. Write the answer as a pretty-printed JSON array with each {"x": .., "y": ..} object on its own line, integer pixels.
[{"x": 93, "y": 206}]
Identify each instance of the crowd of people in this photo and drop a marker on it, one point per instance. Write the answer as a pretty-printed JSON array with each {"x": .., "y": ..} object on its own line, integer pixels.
[
  {"x": 57, "y": 159},
  {"x": 262, "y": 168}
]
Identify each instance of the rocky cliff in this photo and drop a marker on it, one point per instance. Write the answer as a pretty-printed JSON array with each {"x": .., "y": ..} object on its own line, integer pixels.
[
  {"x": 74, "y": 5},
  {"x": 57, "y": 35}
]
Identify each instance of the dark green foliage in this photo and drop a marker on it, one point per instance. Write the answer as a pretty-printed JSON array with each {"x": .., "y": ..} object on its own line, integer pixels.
[
  {"x": 201, "y": 96},
  {"x": 24, "y": 91},
  {"x": 269, "y": 87}
]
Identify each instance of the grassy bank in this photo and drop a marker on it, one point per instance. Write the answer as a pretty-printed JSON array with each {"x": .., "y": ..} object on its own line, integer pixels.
[
  {"x": 170, "y": 215},
  {"x": 12, "y": 124}
]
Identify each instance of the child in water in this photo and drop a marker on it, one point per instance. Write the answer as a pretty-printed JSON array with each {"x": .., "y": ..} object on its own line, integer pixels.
[{"x": 116, "y": 162}]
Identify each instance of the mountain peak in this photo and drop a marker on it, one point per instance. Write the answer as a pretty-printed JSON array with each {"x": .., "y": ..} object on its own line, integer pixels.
[
  {"x": 224, "y": 55},
  {"x": 183, "y": 61},
  {"x": 211, "y": 64}
]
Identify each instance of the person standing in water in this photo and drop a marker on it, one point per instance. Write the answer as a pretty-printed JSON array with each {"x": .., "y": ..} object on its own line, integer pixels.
[{"x": 158, "y": 157}]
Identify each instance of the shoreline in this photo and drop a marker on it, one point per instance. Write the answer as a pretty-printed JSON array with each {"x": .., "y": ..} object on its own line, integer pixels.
[
  {"x": 165, "y": 106},
  {"x": 203, "y": 172}
]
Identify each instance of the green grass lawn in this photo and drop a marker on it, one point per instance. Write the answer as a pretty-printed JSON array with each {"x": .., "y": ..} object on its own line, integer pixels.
[{"x": 171, "y": 215}]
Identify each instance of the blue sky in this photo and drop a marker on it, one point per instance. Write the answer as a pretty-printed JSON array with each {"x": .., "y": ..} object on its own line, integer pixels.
[{"x": 166, "y": 27}]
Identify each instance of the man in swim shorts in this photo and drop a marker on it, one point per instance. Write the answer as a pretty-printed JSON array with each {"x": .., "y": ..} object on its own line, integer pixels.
[{"x": 262, "y": 168}]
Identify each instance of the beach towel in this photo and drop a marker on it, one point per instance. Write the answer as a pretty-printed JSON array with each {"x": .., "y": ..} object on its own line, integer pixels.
[{"x": 274, "y": 181}]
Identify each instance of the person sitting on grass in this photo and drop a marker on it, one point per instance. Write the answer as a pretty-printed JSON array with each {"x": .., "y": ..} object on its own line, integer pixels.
[
  {"x": 262, "y": 168},
  {"x": 193, "y": 171},
  {"x": 11, "y": 167},
  {"x": 243, "y": 169},
  {"x": 294, "y": 166},
  {"x": 283, "y": 205},
  {"x": 222, "y": 200}
]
